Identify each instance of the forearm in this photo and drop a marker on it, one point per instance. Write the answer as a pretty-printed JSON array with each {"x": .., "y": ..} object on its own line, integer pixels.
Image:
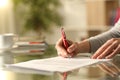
[{"x": 99, "y": 40}]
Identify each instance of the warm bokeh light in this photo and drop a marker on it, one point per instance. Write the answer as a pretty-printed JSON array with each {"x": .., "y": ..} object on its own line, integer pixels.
[{"x": 3, "y": 3}]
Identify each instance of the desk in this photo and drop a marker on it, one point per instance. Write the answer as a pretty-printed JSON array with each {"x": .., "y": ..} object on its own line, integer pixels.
[{"x": 103, "y": 71}]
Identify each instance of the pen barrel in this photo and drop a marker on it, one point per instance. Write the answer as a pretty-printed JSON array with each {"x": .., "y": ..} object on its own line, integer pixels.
[{"x": 65, "y": 43}]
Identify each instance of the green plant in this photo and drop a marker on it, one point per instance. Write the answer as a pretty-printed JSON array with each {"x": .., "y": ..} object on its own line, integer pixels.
[{"x": 40, "y": 15}]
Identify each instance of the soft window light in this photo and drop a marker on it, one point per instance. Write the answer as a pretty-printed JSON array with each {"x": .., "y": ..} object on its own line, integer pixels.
[
  {"x": 2, "y": 75},
  {"x": 3, "y": 3}
]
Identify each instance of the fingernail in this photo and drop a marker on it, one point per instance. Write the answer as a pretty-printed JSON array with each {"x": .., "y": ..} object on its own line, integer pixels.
[
  {"x": 99, "y": 57},
  {"x": 92, "y": 57}
]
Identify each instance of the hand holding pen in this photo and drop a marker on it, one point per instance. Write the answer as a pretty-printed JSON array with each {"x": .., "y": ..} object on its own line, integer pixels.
[
  {"x": 65, "y": 42},
  {"x": 66, "y": 48}
]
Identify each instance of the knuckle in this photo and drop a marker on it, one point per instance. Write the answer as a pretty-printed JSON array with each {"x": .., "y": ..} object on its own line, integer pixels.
[
  {"x": 119, "y": 47},
  {"x": 113, "y": 39},
  {"x": 75, "y": 44}
]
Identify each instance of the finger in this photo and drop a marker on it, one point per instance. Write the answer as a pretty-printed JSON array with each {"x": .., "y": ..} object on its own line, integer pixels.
[
  {"x": 62, "y": 52},
  {"x": 116, "y": 51},
  {"x": 72, "y": 49},
  {"x": 60, "y": 49},
  {"x": 58, "y": 43},
  {"x": 102, "y": 67},
  {"x": 101, "y": 49},
  {"x": 108, "y": 50},
  {"x": 117, "y": 69},
  {"x": 69, "y": 42},
  {"x": 110, "y": 69},
  {"x": 73, "y": 54}
]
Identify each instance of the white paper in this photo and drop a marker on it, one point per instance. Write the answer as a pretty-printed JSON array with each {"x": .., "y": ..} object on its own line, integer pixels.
[{"x": 56, "y": 64}]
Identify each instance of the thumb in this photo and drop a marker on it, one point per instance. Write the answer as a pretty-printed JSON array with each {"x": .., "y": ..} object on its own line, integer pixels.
[{"x": 72, "y": 48}]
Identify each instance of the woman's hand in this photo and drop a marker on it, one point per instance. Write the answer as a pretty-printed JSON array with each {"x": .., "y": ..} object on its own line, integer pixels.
[
  {"x": 108, "y": 50},
  {"x": 71, "y": 51},
  {"x": 109, "y": 68}
]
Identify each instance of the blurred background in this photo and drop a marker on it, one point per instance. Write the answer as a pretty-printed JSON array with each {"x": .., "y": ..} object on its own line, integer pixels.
[{"x": 42, "y": 19}]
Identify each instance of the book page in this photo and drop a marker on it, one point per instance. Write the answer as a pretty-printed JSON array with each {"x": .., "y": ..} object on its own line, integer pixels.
[{"x": 57, "y": 64}]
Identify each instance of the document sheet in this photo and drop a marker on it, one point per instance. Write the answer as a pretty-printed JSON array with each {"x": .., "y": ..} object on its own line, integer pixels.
[{"x": 56, "y": 64}]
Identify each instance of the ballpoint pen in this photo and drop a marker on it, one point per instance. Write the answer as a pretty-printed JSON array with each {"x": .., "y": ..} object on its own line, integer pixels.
[
  {"x": 65, "y": 42},
  {"x": 64, "y": 39},
  {"x": 66, "y": 45}
]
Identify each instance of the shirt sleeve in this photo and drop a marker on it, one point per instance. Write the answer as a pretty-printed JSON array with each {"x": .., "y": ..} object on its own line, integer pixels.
[{"x": 97, "y": 41}]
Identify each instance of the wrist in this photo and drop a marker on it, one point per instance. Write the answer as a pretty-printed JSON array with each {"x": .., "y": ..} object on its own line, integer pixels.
[{"x": 84, "y": 46}]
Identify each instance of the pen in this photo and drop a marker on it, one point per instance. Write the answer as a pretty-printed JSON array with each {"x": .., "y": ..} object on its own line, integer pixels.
[
  {"x": 64, "y": 38},
  {"x": 66, "y": 45},
  {"x": 65, "y": 42}
]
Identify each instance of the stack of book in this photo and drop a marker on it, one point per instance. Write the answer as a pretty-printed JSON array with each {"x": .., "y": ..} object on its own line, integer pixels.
[{"x": 29, "y": 47}]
